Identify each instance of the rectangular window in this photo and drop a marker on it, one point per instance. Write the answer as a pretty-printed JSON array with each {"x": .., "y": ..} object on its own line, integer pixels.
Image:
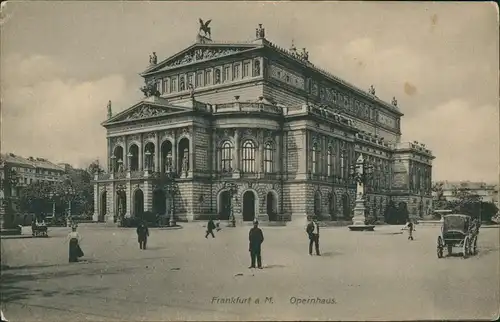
[
  {"x": 174, "y": 85},
  {"x": 208, "y": 77},
  {"x": 236, "y": 71},
  {"x": 226, "y": 74},
  {"x": 166, "y": 85},
  {"x": 246, "y": 69},
  {"x": 199, "y": 79},
  {"x": 190, "y": 79}
]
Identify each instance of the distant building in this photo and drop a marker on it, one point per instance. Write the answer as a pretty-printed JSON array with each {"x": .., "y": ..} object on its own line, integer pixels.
[
  {"x": 26, "y": 171},
  {"x": 487, "y": 192}
]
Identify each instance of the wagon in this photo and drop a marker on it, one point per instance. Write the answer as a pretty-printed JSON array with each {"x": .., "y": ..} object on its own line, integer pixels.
[
  {"x": 457, "y": 231},
  {"x": 39, "y": 231}
]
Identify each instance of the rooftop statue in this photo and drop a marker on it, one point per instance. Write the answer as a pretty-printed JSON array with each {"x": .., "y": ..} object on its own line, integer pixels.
[
  {"x": 150, "y": 89},
  {"x": 153, "y": 60},
  {"x": 260, "y": 32},
  {"x": 371, "y": 90},
  {"x": 110, "y": 113},
  {"x": 205, "y": 28},
  {"x": 304, "y": 54}
]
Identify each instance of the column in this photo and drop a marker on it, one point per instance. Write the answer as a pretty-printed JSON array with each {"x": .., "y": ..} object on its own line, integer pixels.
[
  {"x": 110, "y": 152},
  {"x": 148, "y": 195},
  {"x": 191, "y": 153},
  {"x": 277, "y": 157},
  {"x": 174, "y": 154},
  {"x": 157, "y": 152},
  {"x": 304, "y": 156},
  {"x": 236, "y": 165},
  {"x": 141, "y": 154},
  {"x": 110, "y": 202},
  {"x": 128, "y": 200},
  {"x": 97, "y": 200},
  {"x": 260, "y": 156}
]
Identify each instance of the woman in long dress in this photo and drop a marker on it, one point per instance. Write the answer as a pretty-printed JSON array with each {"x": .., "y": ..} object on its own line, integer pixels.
[{"x": 74, "y": 245}]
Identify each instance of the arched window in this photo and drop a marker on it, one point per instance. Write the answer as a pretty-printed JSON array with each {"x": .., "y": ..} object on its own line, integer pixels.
[
  {"x": 329, "y": 162},
  {"x": 226, "y": 159},
  {"x": 248, "y": 159},
  {"x": 268, "y": 157},
  {"x": 315, "y": 152}
]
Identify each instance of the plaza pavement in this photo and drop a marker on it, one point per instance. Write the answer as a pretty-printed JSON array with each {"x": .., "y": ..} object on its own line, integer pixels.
[{"x": 371, "y": 276}]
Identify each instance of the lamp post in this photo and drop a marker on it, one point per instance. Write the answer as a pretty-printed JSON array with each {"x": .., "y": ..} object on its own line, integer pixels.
[
  {"x": 232, "y": 188},
  {"x": 172, "y": 189},
  {"x": 148, "y": 155},
  {"x": 362, "y": 174}
]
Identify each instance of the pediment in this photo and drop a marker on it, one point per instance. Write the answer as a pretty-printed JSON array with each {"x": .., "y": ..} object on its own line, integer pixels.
[
  {"x": 145, "y": 110},
  {"x": 199, "y": 53}
]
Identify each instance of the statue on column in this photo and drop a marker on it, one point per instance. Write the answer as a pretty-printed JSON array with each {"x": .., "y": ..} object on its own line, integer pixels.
[
  {"x": 110, "y": 113},
  {"x": 168, "y": 164},
  {"x": 360, "y": 188}
]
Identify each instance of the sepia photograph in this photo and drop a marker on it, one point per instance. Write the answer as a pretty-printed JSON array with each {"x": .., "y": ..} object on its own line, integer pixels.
[{"x": 249, "y": 161}]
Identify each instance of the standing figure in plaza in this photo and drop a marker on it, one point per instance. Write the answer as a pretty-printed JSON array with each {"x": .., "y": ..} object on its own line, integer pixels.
[
  {"x": 409, "y": 226},
  {"x": 256, "y": 238},
  {"x": 142, "y": 235},
  {"x": 74, "y": 239},
  {"x": 313, "y": 233},
  {"x": 217, "y": 225},
  {"x": 210, "y": 228}
]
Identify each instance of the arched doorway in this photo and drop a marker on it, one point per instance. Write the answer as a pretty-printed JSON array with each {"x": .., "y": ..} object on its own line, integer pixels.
[
  {"x": 332, "y": 206},
  {"x": 224, "y": 205},
  {"x": 272, "y": 206},
  {"x": 159, "y": 202},
  {"x": 317, "y": 205},
  {"x": 102, "y": 210},
  {"x": 248, "y": 206},
  {"x": 121, "y": 204},
  {"x": 138, "y": 203},
  {"x": 346, "y": 207}
]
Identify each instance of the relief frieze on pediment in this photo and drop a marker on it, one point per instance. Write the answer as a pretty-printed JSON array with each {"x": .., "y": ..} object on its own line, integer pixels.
[
  {"x": 201, "y": 54},
  {"x": 146, "y": 111}
]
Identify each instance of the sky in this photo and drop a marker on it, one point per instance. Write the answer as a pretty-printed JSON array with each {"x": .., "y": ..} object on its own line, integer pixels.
[{"x": 62, "y": 61}]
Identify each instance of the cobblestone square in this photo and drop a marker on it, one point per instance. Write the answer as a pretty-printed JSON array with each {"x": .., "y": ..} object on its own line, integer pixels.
[{"x": 183, "y": 276}]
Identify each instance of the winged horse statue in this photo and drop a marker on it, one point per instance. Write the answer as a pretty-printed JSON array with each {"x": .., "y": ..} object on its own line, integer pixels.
[{"x": 205, "y": 28}]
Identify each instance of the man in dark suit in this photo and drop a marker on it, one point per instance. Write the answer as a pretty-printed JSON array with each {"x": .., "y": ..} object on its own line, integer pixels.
[
  {"x": 313, "y": 232},
  {"x": 142, "y": 235},
  {"x": 256, "y": 239}
]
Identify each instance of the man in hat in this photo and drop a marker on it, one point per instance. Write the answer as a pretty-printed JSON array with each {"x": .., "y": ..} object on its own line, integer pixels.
[
  {"x": 256, "y": 239},
  {"x": 313, "y": 233}
]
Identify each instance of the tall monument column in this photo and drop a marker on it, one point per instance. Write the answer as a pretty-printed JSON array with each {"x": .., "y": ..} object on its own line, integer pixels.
[{"x": 361, "y": 175}]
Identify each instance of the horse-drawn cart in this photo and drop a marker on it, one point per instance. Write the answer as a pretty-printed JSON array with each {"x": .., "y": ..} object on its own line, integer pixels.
[
  {"x": 458, "y": 231},
  {"x": 39, "y": 230}
]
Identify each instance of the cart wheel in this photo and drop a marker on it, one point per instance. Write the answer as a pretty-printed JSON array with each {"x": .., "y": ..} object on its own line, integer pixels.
[
  {"x": 440, "y": 245},
  {"x": 474, "y": 247},
  {"x": 465, "y": 248}
]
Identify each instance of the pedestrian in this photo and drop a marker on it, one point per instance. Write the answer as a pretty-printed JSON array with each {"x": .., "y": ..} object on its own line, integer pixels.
[
  {"x": 210, "y": 228},
  {"x": 313, "y": 233},
  {"x": 75, "y": 250},
  {"x": 256, "y": 238},
  {"x": 142, "y": 235},
  {"x": 410, "y": 227}
]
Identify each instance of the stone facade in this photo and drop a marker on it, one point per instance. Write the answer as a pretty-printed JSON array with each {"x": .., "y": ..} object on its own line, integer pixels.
[{"x": 285, "y": 132}]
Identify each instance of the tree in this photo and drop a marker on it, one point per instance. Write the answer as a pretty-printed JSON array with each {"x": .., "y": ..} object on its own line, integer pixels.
[{"x": 438, "y": 200}]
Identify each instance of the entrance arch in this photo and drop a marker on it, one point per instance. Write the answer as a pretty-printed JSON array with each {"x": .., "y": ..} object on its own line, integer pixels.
[
  {"x": 317, "y": 204},
  {"x": 332, "y": 206},
  {"x": 103, "y": 207},
  {"x": 138, "y": 203},
  {"x": 346, "y": 207},
  {"x": 159, "y": 202},
  {"x": 249, "y": 205},
  {"x": 224, "y": 205},
  {"x": 272, "y": 206}
]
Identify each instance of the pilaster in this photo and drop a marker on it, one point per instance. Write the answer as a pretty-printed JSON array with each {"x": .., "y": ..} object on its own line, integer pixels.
[
  {"x": 148, "y": 195},
  {"x": 157, "y": 153},
  {"x": 236, "y": 150},
  {"x": 141, "y": 153},
  {"x": 128, "y": 201},
  {"x": 192, "y": 152},
  {"x": 97, "y": 198},
  {"x": 110, "y": 203},
  {"x": 277, "y": 157},
  {"x": 125, "y": 153},
  {"x": 174, "y": 153}
]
